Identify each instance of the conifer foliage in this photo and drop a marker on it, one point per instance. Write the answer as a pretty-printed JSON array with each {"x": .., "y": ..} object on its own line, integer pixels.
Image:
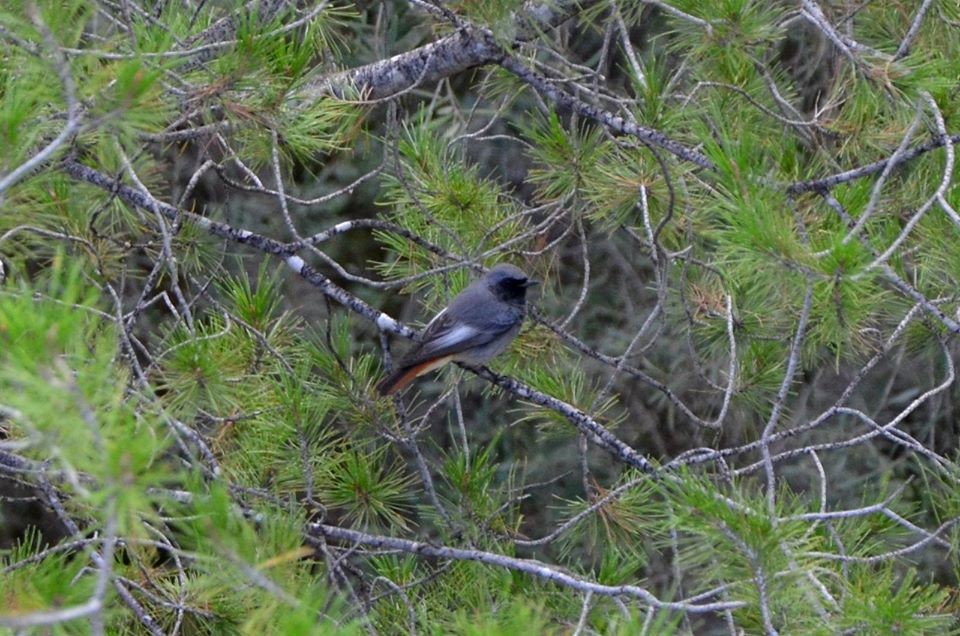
[{"x": 732, "y": 407}]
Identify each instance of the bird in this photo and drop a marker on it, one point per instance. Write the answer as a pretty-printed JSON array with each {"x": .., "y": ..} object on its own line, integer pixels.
[{"x": 477, "y": 325}]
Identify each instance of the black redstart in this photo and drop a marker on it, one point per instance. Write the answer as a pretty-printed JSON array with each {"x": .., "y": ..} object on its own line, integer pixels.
[{"x": 477, "y": 325}]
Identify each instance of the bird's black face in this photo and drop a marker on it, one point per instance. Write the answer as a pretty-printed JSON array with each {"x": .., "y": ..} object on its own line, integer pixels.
[{"x": 509, "y": 283}]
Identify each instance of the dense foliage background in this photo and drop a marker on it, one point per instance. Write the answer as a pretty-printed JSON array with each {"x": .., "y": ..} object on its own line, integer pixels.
[{"x": 732, "y": 408}]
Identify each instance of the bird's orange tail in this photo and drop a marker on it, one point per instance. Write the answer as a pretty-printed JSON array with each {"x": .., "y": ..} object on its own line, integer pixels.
[{"x": 405, "y": 375}]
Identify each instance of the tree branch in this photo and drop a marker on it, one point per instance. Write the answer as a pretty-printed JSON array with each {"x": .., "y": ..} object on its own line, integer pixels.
[
  {"x": 537, "y": 569},
  {"x": 140, "y": 198}
]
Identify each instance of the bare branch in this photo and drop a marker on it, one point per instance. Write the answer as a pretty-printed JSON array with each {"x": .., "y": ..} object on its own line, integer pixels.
[{"x": 528, "y": 566}]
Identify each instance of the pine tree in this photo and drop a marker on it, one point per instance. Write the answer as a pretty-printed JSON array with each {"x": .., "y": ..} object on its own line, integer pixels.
[{"x": 730, "y": 409}]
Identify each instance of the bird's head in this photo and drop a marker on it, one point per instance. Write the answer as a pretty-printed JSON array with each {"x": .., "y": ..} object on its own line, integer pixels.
[{"x": 509, "y": 283}]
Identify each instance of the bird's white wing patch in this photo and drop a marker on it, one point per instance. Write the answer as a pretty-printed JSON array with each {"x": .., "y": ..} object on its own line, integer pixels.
[{"x": 458, "y": 333}]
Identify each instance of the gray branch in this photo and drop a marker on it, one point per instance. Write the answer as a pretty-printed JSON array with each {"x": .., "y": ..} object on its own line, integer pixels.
[
  {"x": 140, "y": 198},
  {"x": 466, "y": 48},
  {"x": 528, "y": 566}
]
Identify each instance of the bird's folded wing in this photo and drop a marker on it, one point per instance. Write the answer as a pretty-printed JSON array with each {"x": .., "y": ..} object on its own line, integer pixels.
[{"x": 445, "y": 336}]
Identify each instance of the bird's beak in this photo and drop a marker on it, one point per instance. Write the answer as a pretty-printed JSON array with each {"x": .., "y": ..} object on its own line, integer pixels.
[{"x": 531, "y": 282}]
